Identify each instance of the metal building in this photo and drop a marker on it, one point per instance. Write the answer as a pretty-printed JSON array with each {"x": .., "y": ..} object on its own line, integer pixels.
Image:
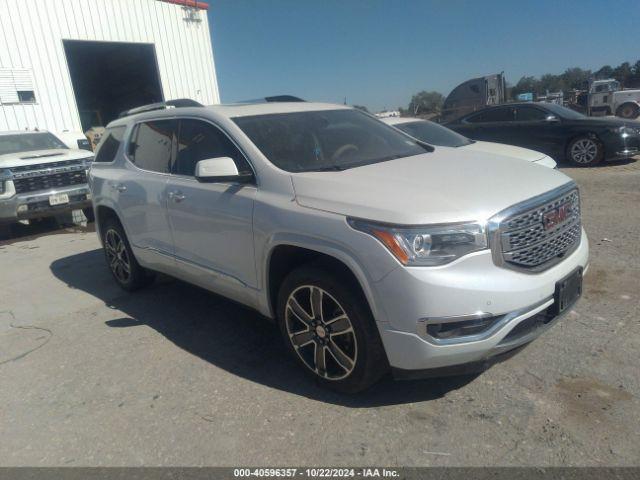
[{"x": 75, "y": 64}]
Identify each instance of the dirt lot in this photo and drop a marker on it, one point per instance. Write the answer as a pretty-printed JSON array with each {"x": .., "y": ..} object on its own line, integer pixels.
[{"x": 173, "y": 375}]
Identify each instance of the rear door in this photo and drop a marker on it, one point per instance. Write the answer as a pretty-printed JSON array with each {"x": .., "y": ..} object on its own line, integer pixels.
[
  {"x": 141, "y": 187},
  {"x": 491, "y": 125},
  {"x": 211, "y": 222}
]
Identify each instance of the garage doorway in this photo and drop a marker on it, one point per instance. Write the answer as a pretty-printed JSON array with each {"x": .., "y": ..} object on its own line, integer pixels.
[{"x": 110, "y": 77}]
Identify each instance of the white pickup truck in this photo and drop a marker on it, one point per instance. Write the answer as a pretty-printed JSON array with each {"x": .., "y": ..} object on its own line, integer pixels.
[
  {"x": 41, "y": 177},
  {"x": 607, "y": 97}
]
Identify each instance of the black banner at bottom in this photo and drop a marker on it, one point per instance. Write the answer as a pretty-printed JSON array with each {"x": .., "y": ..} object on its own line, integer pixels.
[{"x": 410, "y": 473}]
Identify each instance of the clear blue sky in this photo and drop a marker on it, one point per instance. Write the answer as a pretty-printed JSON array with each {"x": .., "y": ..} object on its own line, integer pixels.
[{"x": 379, "y": 52}]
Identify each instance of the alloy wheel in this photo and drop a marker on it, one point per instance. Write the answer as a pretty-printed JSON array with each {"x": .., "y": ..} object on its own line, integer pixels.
[
  {"x": 117, "y": 256},
  {"x": 321, "y": 332},
  {"x": 584, "y": 151}
]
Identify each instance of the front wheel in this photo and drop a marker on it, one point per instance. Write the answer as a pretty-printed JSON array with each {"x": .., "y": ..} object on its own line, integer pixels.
[
  {"x": 328, "y": 328},
  {"x": 124, "y": 267},
  {"x": 585, "y": 151}
]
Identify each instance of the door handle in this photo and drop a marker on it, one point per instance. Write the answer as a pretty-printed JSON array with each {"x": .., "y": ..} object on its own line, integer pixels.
[
  {"x": 177, "y": 196},
  {"x": 119, "y": 187}
]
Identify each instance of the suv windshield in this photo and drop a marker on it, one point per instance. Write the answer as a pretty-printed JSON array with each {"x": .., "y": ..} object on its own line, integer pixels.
[
  {"x": 433, "y": 134},
  {"x": 326, "y": 140},
  {"x": 28, "y": 142}
]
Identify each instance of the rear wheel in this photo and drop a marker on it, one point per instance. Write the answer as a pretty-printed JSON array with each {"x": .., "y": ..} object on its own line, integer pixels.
[
  {"x": 585, "y": 151},
  {"x": 328, "y": 329},
  {"x": 124, "y": 267}
]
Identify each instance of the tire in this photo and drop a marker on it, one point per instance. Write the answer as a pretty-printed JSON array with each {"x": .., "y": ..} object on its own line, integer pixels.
[
  {"x": 628, "y": 111},
  {"x": 89, "y": 214},
  {"x": 124, "y": 267},
  {"x": 585, "y": 151},
  {"x": 341, "y": 350}
]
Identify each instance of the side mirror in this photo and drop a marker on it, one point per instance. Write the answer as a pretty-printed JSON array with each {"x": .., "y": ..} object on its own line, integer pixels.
[
  {"x": 551, "y": 119},
  {"x": 220, "y": 169}
]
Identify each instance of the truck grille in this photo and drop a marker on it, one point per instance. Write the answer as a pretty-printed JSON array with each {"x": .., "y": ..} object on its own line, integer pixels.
[
  {"x": 48, "y": 176},
  {"x": 536, "y": 237}
]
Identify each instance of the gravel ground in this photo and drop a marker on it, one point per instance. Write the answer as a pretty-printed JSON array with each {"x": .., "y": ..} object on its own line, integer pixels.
[{"x": 172, "y": 375}]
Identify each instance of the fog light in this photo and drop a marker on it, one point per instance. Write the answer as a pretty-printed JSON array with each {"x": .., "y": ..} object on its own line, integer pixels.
[
  {"x": 463, "y": 328},
  {"x": 23, "y": 208}
]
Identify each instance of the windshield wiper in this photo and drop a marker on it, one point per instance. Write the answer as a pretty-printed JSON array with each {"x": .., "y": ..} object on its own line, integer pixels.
[
  {"x": 425, "y": 145},
  {"x": 328, "y": 168}
]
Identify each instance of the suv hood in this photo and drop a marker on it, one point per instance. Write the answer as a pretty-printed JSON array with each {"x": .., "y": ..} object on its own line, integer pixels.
[
  {"x": 446, "y": 186},
  {"x": 40, "y": 157}
]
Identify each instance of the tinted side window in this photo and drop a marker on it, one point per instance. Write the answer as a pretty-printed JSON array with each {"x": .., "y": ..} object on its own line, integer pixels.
[
  {"x": 530, "y": 114},
  {"x": 111, "y": 141},
  {"x": 152, "y": 145},
  {"x": 493, "y": 115},
  {"x": 200, "y": 140}
]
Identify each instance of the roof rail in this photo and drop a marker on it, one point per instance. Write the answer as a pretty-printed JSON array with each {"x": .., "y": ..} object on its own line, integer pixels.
[{"x": 177, "y": 103}]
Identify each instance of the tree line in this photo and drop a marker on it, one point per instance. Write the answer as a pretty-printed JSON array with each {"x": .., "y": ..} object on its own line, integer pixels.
[{"x": 430, "y": 102}]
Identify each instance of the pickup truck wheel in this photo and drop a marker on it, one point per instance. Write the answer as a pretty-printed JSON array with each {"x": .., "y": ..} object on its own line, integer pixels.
[
  {"x": 123, "y": 266},
  {"x": 585, "y": 151},
  {"x": 89, "y": 214},
  {"x": 327, "y": 327},
  {"x": 628, "y": 110}
]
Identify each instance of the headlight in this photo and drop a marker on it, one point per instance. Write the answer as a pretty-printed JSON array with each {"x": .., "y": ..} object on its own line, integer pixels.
[
  {"x": 426, "y": 245},
  {"x": 628, "y": 131}
]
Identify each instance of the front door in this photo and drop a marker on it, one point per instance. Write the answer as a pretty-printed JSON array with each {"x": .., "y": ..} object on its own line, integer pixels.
[
  {"x": 532, "y": 129},
  {"x": 212, "y": 223}
]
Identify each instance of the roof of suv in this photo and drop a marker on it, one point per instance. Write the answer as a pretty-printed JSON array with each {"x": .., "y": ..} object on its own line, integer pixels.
[{"x": 235, "y": 110}]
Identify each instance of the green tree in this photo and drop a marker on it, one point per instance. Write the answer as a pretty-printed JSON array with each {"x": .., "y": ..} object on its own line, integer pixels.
[
  {"x": 604, "y": 72},
  {"x": 526, "y": 85},
  {"x": 426, "y": 102},
  {"x": 623, "y": 73},
  {"x": 575, "y": 79}
]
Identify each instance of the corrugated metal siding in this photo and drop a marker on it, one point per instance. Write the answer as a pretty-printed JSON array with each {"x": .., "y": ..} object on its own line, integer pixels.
[{"x": 31, "y": 35}]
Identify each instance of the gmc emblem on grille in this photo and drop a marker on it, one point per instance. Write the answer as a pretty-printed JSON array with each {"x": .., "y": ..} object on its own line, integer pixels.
[{"x": 556, "y": 216}]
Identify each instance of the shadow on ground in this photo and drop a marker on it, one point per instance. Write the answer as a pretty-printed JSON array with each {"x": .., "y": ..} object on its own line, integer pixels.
[
  {"x": 228, "y": 335},
  {"x": 603, "y": 164},
  {"x": 19, "y": 232}
]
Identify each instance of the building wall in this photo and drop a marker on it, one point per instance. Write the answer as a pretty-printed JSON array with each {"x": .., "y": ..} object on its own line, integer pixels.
[{"x": 31, "y": 40}]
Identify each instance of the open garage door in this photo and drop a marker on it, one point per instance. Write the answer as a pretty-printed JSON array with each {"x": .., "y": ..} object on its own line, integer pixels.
[{"x": 110, "y": 77}]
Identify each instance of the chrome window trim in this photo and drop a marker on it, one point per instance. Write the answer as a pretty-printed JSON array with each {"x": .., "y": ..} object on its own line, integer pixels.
[
  {"x": 493, "y": 229},
  {"x": 135, "y": 124}
]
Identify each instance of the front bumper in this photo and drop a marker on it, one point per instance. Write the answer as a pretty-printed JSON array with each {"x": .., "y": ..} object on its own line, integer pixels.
[
  {"x": 622, "y": 146},
  {"x": 36, "y": 204},
  {"x": 464, "y": 288}
]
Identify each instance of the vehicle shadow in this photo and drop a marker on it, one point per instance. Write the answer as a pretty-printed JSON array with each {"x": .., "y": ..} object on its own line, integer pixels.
[
  {"x": 606, "y": 164},
  {"x": 228, "y": 335},
  {"x": 60, "y": 224}
]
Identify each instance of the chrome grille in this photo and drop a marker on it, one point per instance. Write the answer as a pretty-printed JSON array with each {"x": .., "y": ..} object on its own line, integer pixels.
[
  {"x": 536, "y": 236},
  {"x": 45, "y": 166},
  {"x": 48, "y": 176},
  {"x": 50, "y": 182}
]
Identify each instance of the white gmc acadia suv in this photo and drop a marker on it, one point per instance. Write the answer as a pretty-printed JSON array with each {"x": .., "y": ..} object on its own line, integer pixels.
[{"x": 372, "y": 250}]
